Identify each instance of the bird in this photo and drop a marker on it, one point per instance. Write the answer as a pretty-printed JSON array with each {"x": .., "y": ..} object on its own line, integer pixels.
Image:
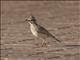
[{"x": 39, "y": 31}]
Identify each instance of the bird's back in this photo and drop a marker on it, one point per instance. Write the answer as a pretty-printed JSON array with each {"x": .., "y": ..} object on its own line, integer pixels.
[{"x": 43, "y": 33}]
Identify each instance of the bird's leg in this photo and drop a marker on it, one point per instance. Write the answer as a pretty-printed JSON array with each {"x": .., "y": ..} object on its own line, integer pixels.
[{"x": 44, "y": 43}]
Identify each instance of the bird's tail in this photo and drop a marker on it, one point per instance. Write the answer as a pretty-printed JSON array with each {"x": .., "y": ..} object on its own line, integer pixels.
[
  {"x": 56, "y": 39},
  {"x": 61, "y": 43}
]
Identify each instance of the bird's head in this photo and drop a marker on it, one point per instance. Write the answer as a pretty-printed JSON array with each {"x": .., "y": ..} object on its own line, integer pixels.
[{"x": 31, "y": 19}]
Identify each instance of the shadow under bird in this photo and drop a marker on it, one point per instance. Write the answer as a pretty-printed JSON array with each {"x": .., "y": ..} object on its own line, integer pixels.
[{"x": 39, "y": 31}]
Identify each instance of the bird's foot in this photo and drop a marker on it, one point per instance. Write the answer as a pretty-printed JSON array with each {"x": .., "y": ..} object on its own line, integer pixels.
[{"x": 45, "y": 44}]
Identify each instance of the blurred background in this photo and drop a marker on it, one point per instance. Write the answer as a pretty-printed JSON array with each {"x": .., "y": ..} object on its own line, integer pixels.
[{"x": 61, "y": 18}]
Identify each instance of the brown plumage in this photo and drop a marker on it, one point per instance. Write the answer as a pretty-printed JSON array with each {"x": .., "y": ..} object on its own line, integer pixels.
[{"x": 38, "y": 30}]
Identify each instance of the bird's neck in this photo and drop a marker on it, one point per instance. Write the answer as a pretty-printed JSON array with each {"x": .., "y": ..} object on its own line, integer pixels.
[{"x": 33, "y": 24}]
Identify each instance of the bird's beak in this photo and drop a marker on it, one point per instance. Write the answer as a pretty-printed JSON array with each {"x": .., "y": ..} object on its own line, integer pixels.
[{"x": 26, "y": 20}]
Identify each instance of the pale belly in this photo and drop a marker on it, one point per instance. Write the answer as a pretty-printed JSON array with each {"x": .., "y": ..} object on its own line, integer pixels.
[{"x": 34, "y": 30}]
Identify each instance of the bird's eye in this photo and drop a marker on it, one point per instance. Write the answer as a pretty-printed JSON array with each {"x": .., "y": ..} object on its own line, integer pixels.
[{"x": 31, "y": 20}]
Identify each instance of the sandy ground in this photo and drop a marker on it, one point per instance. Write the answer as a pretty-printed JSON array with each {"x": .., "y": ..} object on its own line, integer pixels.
[{"x": 61, "y": 18}]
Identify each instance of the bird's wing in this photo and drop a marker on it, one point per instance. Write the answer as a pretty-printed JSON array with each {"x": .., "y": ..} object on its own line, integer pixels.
[{"x": 43, "y": 31}]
